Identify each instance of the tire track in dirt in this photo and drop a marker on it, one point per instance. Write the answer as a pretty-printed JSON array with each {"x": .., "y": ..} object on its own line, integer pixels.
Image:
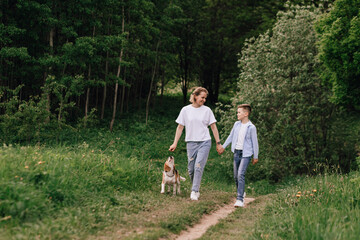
[{"x": 207, "y": 221}]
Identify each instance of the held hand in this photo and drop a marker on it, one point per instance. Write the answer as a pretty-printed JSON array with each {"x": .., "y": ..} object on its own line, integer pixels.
[
  {"x": 172, "y": 147},
  {"x": 220, "y": 149},
  {"x": 254, "y": 161}
]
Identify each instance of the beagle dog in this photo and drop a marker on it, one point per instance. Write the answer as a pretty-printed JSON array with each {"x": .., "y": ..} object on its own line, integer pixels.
[{"x": 171, "y": 176}]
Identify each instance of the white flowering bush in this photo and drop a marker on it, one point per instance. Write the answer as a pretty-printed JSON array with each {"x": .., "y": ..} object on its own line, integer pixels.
[{"x": 294, "y": 119}]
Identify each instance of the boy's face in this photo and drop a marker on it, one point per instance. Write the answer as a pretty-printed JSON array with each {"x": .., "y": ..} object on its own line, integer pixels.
[{"x": 241, "y": 114}]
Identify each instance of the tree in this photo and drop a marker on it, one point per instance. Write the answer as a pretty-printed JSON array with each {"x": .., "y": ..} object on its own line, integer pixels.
[{"x": 339, "y": 52}]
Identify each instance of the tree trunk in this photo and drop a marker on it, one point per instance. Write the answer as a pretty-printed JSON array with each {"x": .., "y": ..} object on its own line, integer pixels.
[
  {"x": 118, "y": 75},
  {"x": 87, "y": 96},
  {"x": 47, "y": 93},
  {"x": 88, "y": 89},
  {"x": 141, "y": 85},
  {"x": 106, "y": 76},
  {"x": 123, "y": 93},
  {"x": 151, "y": 83}
]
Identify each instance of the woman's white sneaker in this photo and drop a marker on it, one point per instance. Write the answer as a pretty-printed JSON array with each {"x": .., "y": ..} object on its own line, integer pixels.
[
  {"x": 194, "y": 196},
  {"x": 197, "y": 194}
]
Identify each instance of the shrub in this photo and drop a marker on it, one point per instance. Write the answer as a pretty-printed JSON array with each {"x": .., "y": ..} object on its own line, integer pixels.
[
  {"x": 296, "y": 123},
  {"x": 22, "y": 120}
]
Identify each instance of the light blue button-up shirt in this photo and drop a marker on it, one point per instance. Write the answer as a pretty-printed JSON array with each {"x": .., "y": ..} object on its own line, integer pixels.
[{"x": 251, "y": 146}]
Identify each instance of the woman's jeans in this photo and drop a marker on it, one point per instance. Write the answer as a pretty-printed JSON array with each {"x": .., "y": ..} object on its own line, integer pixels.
[
  {"x": 197, "y": 153},
  {"x": 240, "y": 165}
]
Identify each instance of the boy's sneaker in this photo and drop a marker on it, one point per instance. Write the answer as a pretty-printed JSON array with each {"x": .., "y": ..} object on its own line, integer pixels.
[
  {"x": 239, "y": 203},
  {"x": 193, "y": 196}
]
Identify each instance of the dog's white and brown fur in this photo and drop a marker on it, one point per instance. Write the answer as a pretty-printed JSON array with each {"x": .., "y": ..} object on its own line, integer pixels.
[{"x": 171, "y": 176}]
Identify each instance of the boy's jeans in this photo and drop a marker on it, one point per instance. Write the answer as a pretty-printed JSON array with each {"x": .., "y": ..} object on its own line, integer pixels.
[
  {"x": 240, "y": 166},
  {"x": 198, "y": 153}
]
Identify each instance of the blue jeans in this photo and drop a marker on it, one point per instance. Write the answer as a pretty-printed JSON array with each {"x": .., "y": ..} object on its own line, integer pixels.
[
  {"x": 197, "y": 153},
  {"x": 240, "y": 165}
]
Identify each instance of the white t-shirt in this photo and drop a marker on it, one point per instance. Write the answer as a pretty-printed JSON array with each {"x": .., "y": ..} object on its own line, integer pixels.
[
  {"x": 241, "y": 137},
  {"x": 196, "y": 122}
]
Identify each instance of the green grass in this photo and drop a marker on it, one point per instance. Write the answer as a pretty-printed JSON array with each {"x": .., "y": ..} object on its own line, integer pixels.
[
  {"x": 322, "y": 207},
  {"x": 319, "y": 207},
  {"x": 83, "y": 182},
  {"x": 91, "y": 183}
]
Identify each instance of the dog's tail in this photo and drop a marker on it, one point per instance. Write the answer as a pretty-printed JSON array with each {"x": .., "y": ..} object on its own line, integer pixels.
[{"x": 182, "y": 178}]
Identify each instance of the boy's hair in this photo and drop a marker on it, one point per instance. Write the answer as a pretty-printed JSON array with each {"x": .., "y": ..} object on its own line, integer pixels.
[
  {"x": 246, "y": 107},
  {"x": 197, "y": 92}
]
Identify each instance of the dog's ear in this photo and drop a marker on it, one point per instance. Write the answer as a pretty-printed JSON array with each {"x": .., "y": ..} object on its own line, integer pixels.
[{"x": 166, "y": 167}]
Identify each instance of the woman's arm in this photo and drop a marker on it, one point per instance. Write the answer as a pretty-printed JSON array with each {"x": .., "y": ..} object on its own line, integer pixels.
[
  {"x": 178, "y": 133},
  {"x": 216, "y": 136}
]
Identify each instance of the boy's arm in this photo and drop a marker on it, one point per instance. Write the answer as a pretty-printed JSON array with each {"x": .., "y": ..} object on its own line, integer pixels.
[
  {"x": 230, "y": 137},
  {"x": 255, "y": 145}
]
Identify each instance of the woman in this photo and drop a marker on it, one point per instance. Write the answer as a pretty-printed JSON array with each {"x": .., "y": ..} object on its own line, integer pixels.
[{"x": 196, "y": 118}]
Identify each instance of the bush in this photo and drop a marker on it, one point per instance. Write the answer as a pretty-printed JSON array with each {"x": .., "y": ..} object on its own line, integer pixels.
[
  {"x": 22, "y": 120},
  {"x": 297, "y": 125}
]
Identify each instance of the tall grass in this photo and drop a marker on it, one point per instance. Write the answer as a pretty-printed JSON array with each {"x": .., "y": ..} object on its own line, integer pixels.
[{"x": 322, "y": 207}]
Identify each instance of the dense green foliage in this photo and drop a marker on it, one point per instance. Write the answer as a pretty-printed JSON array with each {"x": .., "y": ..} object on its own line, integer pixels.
[
  {"x": 95, "y": 54},
  {"x": 339, "y": 51},
  {"x": 298, "y": 127}
]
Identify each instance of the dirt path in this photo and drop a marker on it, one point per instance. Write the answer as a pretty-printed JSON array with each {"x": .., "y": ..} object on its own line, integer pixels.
[{"x": 199, "y": 229}]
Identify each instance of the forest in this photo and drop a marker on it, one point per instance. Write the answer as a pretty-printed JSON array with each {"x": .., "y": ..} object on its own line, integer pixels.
[{"x": 82, "y": 56}]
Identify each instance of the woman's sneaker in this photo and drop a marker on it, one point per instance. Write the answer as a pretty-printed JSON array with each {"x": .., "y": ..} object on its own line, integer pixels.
[
  {"x": 194, "y": 196},
  {"x": 197, "y": 194},
  {"x": 239, "y": 203}
]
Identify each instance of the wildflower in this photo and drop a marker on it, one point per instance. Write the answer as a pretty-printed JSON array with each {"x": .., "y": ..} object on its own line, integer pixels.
[
  {"x": 26, "y": 167},
  {"x": 21, "y": 179},
  {"x": 40, "y": 162},
  {"x": 299, "y": 192},
  {"x": 16, "y": 176},
  {"x": 314, "y": 190},
  {"x": 311, "y": 195},
  {"x": 298, "y": 195},
  {"x": 50, "y": 198}
]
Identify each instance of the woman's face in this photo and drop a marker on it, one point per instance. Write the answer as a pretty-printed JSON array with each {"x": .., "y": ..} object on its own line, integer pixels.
[{"x": 201, "y": 99}]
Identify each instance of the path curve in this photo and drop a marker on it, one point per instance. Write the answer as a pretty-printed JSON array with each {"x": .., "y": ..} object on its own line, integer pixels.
[{"x": 200, "y": 228}]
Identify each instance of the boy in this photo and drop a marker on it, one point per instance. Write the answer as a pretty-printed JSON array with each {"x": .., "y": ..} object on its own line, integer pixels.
[{"x": 244, "y": 145}]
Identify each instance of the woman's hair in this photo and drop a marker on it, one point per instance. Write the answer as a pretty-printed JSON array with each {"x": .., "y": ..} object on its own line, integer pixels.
[
  {"x": 246, "y": 107},
  {"x": 197, "y": 92}
]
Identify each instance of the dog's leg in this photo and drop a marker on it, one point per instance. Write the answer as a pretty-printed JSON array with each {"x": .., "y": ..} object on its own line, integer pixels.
[
  {"x": 174, "y": 189},
  {"x": 178, "y": 187},
  {"x": 163, "y": 184}
]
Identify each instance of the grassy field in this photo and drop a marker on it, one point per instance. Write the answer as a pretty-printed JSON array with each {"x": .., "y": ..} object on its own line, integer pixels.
[
  {"x": 96, "y": 184},
  {"x": 93, "y": 182},
  {"x": 323, "y": 207}
]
